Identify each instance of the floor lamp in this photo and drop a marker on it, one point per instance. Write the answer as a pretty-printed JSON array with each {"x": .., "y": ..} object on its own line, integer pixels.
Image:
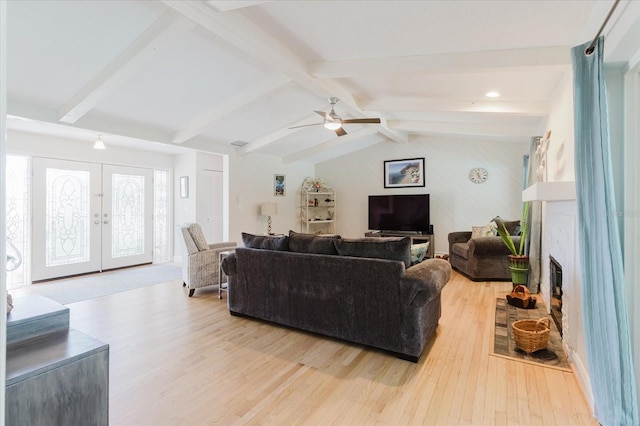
[{"x": 269, "y": 209}]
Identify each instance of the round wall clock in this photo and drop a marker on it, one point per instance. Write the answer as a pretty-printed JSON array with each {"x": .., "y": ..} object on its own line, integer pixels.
[{"x": 478, "y": 175}]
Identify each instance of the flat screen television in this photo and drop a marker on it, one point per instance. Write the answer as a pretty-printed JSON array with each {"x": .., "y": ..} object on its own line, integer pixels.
[{"x": 408, "y": 213}]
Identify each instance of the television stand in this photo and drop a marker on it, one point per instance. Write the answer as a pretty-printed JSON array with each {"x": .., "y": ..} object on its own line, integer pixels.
[{"x": 416, "y": 238}]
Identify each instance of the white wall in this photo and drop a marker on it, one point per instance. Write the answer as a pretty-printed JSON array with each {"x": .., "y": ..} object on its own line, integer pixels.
[
  {"x": 184, "y": 208},
  {"x": 560, "y": 161},
  {"x": 457, "y": 204},
  {"x": 251, "y": 179},
  {"x": 33, "y": 144}
]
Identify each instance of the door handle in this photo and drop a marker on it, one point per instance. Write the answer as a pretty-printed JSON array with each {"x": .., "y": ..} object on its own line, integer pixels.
[
  {"x": 97, "y": 222},
  {"x": 106, "y": 222}
]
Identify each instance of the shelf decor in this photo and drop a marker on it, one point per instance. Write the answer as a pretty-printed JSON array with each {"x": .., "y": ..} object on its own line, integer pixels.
[
  {"x": 317, "y": 207},
  {"x": 404, "y": 173},
  {"x": 315, "y": 184}
]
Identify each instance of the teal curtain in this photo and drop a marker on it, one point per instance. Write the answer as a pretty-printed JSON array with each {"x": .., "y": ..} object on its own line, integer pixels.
[{"x": 604, "y": 311}]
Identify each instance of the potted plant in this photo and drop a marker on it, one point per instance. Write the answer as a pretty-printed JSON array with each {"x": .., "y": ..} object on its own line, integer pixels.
[{"x": 518, "y": 261}]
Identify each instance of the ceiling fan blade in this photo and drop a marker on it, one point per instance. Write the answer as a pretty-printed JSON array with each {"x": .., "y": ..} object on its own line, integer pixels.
[
  {"x": 306, "y": 125},
  {"x": 362, "y": 120},
  {"x": 340, "y": 131},
  {"x": 324, "y": 115}
]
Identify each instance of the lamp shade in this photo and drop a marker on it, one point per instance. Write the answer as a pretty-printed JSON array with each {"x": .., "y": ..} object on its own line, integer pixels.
[
  {"x": 268, "y": 209},
  {"x": 99, "y": 144}
]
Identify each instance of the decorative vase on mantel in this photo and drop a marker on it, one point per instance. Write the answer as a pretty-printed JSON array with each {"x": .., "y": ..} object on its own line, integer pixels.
[{"x": 519, "y": 267}]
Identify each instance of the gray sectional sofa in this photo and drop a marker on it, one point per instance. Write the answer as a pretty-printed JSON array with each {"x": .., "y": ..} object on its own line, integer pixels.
[{"x": 360, "y": 290}]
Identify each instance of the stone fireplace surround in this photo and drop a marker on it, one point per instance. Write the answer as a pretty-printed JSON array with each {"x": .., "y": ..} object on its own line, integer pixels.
[{"x": 560, "y": 241}]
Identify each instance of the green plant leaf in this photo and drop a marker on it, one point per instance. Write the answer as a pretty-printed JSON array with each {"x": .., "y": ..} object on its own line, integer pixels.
[{"x": 507, "y": 240}]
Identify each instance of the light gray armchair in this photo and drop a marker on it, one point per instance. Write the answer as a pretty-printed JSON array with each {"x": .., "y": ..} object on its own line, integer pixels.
[{"x": 200, "y": 260}]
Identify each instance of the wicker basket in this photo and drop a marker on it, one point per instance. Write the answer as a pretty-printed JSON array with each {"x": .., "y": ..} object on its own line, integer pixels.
[{"x": 531, "y": 335}]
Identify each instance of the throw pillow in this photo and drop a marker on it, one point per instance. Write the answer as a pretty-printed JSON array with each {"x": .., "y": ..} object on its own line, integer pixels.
[
  {"x": 476, "y": 231},
  {"x": 418, "y": 252},
  {"x": 309, "y": 243},
  {"x": 488, "y": 230},
  {"x": 265, "y": 242},
  {"x": 392, "y": 248}
]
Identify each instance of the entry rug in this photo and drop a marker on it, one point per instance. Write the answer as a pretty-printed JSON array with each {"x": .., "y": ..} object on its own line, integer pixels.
[
  {"x": 505, "y": 345},
  {"x": 76, "y": 289}
]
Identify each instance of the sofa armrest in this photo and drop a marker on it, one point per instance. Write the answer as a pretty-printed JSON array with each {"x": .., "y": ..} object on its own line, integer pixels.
[
  {"x": 490, "y": 246},
  {"x": 218, "y": 247},
  {"x": 229, "y": 264},
  {"x": 424, "y": 281}
]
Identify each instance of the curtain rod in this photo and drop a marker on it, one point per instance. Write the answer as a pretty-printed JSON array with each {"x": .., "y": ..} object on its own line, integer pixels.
[{"x": 592, "y": 46}]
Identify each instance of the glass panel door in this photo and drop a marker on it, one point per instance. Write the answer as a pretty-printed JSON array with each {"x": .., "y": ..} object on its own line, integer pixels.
[
  {"x": 66, "y": 218},
  {"x": 127, "y": 217}
]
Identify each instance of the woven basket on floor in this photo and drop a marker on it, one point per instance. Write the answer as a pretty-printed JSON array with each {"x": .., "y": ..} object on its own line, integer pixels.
[{"x": 531, "y": 335}]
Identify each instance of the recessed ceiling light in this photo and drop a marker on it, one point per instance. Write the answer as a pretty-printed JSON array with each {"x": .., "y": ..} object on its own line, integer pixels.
[{"x": 492, "y": 95}]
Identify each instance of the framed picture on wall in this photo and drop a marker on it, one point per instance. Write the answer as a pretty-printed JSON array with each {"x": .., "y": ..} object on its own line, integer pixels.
[
  {"x": 404, "y": 173},
  {"x": 279, "y": 185},
  {"x": 184, "y": 186}
]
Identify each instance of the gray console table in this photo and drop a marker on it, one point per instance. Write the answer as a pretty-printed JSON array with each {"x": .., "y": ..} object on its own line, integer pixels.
[
  {"x": 55, "y": 375},
  {"x": 415, "y": 238}
]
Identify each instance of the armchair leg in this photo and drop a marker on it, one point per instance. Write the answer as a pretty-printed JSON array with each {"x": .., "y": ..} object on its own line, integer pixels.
[{"x": 191, "y": 292}]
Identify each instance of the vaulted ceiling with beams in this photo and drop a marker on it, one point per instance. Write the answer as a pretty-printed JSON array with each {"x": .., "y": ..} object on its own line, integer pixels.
[{"x": 206, "y": 74}]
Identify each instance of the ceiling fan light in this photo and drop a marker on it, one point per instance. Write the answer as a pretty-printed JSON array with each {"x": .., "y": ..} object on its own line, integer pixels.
[
  {"x": 99, "y": 144},
  {"x": 332, "y": 125}
]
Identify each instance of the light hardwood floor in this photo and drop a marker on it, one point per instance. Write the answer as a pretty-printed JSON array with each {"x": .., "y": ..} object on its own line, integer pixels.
[{"x": 185, "y": 361}]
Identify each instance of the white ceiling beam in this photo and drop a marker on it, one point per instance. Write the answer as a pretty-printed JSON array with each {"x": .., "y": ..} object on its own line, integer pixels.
[
  {"x": 224, "y": 5},
  {"x": 274, "y": 136},
  {"x": 464, "y": 62},
  {"x": 207, "y": 119},
  {"x": 469, "y": 129},
  {"x": 408, "y": 104},
  {"x": 124, "y": 67},
  {"x": 395, "y": 136},
  {"x": 244, "y": 35},
  {"x": 322, "y": 147},
  {"x": 258, "y": 44},
  {"x": 97, "y": 125}
]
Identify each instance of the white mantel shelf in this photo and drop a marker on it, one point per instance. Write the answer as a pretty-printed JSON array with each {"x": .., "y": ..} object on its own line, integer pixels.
[{"x": 550, "y": 191}]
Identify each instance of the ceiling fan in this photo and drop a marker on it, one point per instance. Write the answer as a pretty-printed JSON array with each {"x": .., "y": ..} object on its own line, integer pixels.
[{"x": 333, "y": 121}]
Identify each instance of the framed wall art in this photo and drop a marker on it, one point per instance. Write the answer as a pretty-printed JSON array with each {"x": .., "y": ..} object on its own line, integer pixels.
[
  {"x": 184, "y": 186},
  {"x": 279, "y": 185},
  {"x": 404, "y": 173}
]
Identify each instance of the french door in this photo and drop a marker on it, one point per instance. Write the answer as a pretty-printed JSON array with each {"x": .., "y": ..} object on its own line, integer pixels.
[{"x": 89, "y": 217}]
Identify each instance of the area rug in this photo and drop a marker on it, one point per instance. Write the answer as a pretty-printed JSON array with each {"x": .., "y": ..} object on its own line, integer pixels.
[
  {"x": 505, "y": 345},
  {"x": 86, "y": 287}
]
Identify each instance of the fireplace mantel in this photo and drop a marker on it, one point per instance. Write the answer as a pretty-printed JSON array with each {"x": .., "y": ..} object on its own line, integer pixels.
[{"x": 550, "y": 191}]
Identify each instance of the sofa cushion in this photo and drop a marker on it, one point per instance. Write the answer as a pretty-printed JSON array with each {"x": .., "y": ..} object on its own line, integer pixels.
[
  {"x": 418, "y": 252},
  {"x": 513, "y": 226},
  {"x": 461, "y": 249},
  {"x": 265, "y": 242},
  {"x": 198, "y": 236},
  {"x": 309, "y": 243},
  {"x": 391, "y": 248}
]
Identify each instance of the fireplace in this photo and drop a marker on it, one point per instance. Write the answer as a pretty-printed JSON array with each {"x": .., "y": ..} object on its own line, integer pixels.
[{"x": 556, "y": 292}]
